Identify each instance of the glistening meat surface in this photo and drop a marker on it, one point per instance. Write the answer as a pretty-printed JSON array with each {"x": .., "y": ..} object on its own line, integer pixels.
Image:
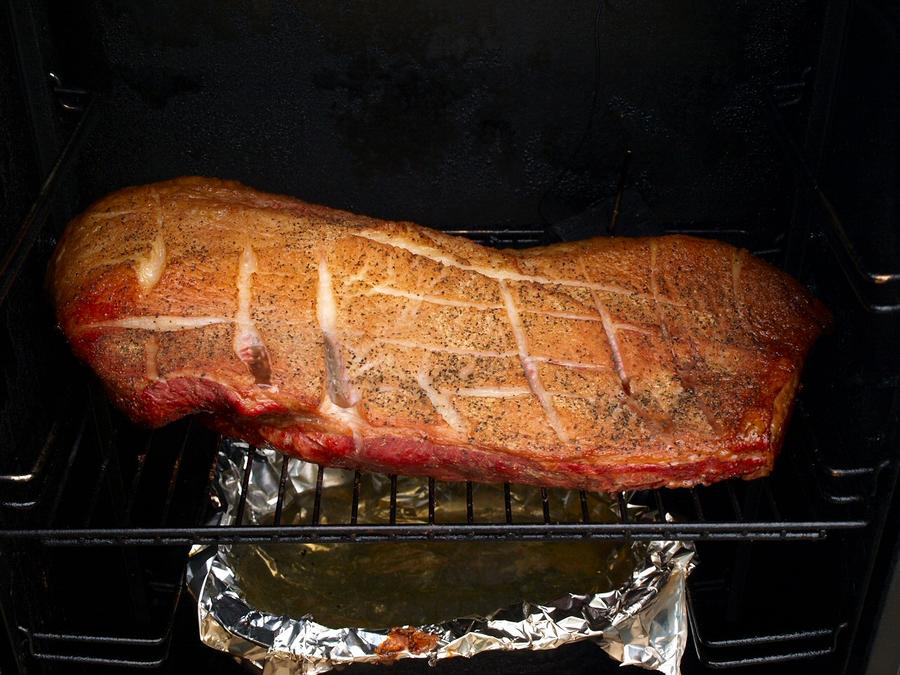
[{"x": 605, "y": 364}]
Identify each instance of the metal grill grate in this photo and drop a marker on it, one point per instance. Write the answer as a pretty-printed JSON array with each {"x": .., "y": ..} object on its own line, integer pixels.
[{"x": 766, "y": 509}]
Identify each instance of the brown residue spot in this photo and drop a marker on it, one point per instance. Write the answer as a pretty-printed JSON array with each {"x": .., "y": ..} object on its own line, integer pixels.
[{"x": 409, "y": 640}]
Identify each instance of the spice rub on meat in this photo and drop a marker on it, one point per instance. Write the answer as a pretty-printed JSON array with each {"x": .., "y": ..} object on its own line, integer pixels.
[{"x": 605, "y": 364}]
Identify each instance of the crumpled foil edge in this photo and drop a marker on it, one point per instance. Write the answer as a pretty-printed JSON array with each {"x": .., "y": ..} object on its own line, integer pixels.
[{"x": 643, "y": 622}]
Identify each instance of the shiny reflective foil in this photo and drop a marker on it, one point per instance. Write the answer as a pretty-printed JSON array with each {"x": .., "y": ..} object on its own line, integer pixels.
[{"x": 306, "y": 608}]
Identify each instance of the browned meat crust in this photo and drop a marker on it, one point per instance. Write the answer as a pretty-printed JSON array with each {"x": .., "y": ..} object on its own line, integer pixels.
[{"x": 608, "y": 364}]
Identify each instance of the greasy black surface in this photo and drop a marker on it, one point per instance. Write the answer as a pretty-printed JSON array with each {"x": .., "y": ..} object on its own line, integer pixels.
[
  {"x": 863, "y": 179},
  {"x": 450, "y": 114}
]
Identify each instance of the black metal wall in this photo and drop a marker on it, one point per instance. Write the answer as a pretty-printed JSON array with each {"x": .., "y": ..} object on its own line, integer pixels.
[
  {"x": 495, "y": 113},
  {"x": 18, "y": 175}
]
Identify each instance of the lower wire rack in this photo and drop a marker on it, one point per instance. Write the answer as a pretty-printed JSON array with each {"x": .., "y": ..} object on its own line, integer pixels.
[
  {"x": 90, "y": 648},
  {"x": 756, "y": 649}
]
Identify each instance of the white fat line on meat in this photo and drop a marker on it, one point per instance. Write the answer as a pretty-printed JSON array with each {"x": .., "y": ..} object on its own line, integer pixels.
[
  {"x": 560, "y": 315},
  {"x": 434, "y": 254},
  {"x": 106, "y": 215},
  {"x": 437, "y": 300},
  {"x": 633, "y": 329},
  {"x": 149, "y": 268},
  {"x": 613, "y": 341},
  {"x": 493, "y": 392},
  {"x": 349, "y": 417},
  {"x": 485, "y": 392},
  {"x": 341, "y": 399},
  {"x": 531, "y": 372},
  {"x": 610, "y": 332},
  {"x": 737, "y": 262},
  {"x": 248, "y": 344},
  {"x": 406, "y": 318},
  {"x": 359, "y": 275},
  {"x": 430, "y": 299},
  {"x": 577, "y": 365},
  {"x": 161, "y": 323},
  {"x": 361, "y": 359},
  {"x": 509, "y": 392},
  {"x": 499, "y": 274},
  {"x": 411, "y": 344},
  {"x": 246, "y": 269},
  {"x": 654, "y": 291},
  {"x": 338, "y": 384},
  {"x": 276, "y": 273},
  {"x": 441, "y": 402},
  {"x": 411, "y": 311},
  {"x": 369, "y": 365},
  {"x": 133, "y": 259}
]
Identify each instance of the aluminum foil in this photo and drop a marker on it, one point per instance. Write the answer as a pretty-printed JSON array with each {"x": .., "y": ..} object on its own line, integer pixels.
[{"x": 307, "y": 608}]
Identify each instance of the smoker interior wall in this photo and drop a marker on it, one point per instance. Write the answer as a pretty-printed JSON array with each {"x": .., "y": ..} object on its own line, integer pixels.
[
  {"x": 17, "y": 171},
  {"x": 860, "y": 172},
  {"x": 449, "y": 113},
  {"x": 861, "y": 165}
]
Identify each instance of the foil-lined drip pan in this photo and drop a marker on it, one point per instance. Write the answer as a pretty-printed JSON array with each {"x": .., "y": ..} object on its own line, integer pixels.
[{"x": 307, "y": 608}]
